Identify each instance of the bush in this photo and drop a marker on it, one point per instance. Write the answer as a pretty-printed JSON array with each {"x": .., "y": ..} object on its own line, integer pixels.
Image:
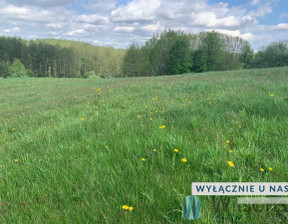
[
  {"x": 91, "y": 75},
  {"x": 17, "y": 69}
]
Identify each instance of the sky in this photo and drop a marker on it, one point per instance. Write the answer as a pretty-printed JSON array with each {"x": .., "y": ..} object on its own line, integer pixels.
[{"x": 119, "y": 23}]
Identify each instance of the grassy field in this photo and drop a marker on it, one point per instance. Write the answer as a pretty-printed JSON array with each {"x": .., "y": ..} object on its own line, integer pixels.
[{"x": 77, "y": 151}]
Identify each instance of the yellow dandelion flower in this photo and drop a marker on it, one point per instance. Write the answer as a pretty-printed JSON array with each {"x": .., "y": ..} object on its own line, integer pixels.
[
  {"x": 163, "y": 126},
  {"x": 186, "y": 99},
  {"x": 139, "y": 116},
  {"x": 261, "y": 169},
  {"x": 106, "y": 146},
  {"x": 125, "y": 207},
  {"x": 270, "y": 168},
  {"x": 143, "y": 159},
  {"x": 176, "y": 150},
  {"x": 239, "y": 126},
  {"x": 150, "y": 119},
  {"x": 16, "y": 160},
  {"x": 130, "y": 208},
  {"x": 271, "y": 94},
  {"x": 184, "y": 160},
  {"x": 13, "y": 129},
  {"x": 155, "y": 150},
  {"x": 231, "y": 163},
  {"x": 228, "y": 141},
  {"x": 230, "y": 150},
  {"x": 82, "y": 119}
]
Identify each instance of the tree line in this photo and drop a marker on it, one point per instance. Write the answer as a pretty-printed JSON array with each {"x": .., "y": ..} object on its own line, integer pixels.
[
  {"x": 57, "y": 58},
  {"x": 170, "y": 52},
  {"x": 175, "y": 52}
]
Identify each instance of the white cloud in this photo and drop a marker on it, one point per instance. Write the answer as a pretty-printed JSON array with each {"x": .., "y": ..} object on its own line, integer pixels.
[
  {"x": 55, "y": 25},
  {"x": 255, "y": 2},
  {"x": 249, "y": 37},
  {"x": 96, "y": 42},
  {"x": 281, "y": 26},
  {"x": 32, "y": 14},
  {"x": 137, "y": 10},
  {"x": 101, "y": 6},
  {"x": 52, "y": 33},
  {"x": 44, "y": 3},
  {"x": 12, "y": 30},
  {"x": 92, "y": 18},
  {"x": 262, "y": 10},
  {"x": 234, "y": 33},
  {"x": 76, "y": 32},
  {"x": 237, "y": 33},
  {"x": 123, "y": 29},
  {"x": 152, "y": 28},
  {"x": 113, "y": 21}
]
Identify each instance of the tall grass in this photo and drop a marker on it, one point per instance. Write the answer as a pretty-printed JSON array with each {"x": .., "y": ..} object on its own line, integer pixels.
[{"x": 76, "y": 151}]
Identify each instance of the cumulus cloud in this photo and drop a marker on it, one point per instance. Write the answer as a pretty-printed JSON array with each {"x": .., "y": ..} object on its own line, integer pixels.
[
  {"x": 92, "y": 18},
  {"x": 22, "y": 14},
  {"x": 152, "y": 28},
  {"x": 76, "y": 32},
  {"x": 281, "y": 26},
  {"x": 55, "y": 25},
  {"x": 255, "y": 2},
  {"x": 120, "y": 22},
  {"x": 42, "y": 3},
  {"x": 123, "y": 29},
  {"x": 101, "y": 6},
  {"x": 137, "y": 10},
  {"x": 12, "y": 30}
]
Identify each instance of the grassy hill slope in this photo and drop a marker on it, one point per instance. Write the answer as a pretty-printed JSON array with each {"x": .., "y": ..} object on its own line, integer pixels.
[{"x": 77, "y": 151}]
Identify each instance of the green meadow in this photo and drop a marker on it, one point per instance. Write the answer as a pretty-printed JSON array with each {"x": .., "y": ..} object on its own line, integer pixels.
[{"x": 103, "y": 151}]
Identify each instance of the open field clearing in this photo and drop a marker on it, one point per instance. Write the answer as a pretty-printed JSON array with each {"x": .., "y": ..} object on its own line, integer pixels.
[{"x": 78, "y": 150}]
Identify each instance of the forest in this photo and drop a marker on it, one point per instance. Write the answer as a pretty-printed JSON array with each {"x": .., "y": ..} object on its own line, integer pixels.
[
  {"x": 58, "y": 58},
  {"x": 174, "y": 52},
  {"x": 170, "y": 52}
]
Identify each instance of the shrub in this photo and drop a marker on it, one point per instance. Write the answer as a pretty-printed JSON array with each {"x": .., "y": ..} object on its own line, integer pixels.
[
  {"x": 91, "y": 75},
  {"x": 17, "y": 69}
]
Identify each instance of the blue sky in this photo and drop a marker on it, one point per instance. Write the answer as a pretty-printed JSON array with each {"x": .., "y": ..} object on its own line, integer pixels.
[{"x": 119, "y": 23}]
